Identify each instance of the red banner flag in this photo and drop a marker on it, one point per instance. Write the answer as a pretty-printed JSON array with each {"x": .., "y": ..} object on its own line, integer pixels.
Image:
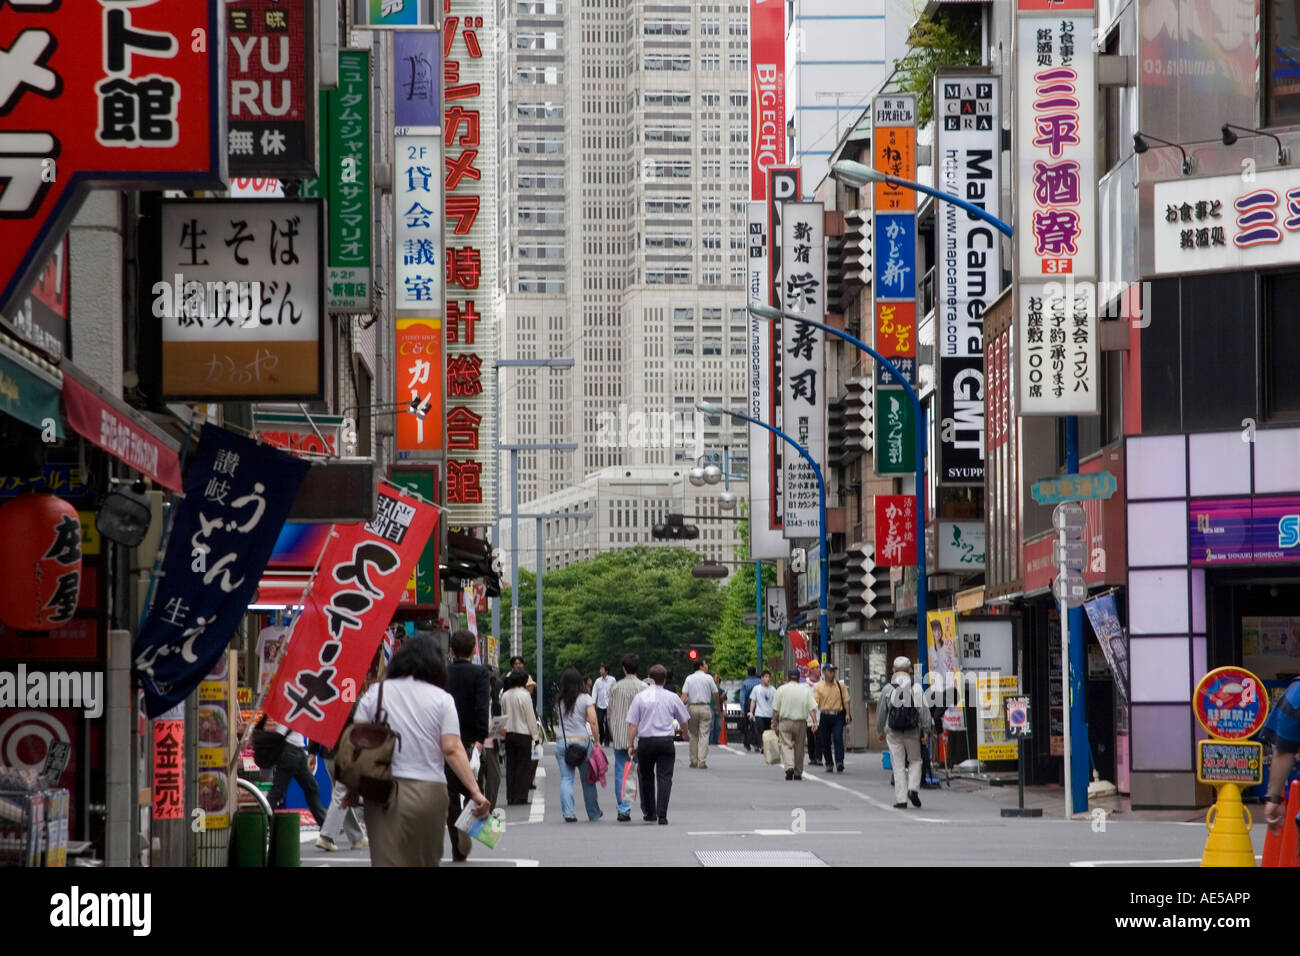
[
  {"x": 351, "y": 602},
  {"x": 895, "y": 530},
  {"x": 799, "y": 647}
]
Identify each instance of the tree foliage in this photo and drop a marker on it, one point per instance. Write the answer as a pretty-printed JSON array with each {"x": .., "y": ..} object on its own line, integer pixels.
[
  {"x": 944, "y": 39},
  {"x": 733, "y": 640},
  {"x": 642, "y": 599}
]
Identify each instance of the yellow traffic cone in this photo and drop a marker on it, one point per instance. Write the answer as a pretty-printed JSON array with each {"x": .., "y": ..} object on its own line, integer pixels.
[{"x": 1229, "y": 841}]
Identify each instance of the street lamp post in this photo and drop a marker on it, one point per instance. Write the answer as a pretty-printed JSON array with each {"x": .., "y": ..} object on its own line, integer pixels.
[
  {"x": 856, "y": 174},
  {"x": 821, "y": 508},
  {"x": 775, "y": 315}
]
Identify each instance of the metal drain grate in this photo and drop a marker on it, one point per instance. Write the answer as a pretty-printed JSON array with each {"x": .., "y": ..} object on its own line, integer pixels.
[{"x": 753, "y": 858}]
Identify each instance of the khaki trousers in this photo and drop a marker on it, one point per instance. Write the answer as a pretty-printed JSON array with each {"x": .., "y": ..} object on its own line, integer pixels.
[
  {"x": 408, "y": 832},
  {"x": 905, "y": 747},
  {"x": 700, "y": 724},
  {"x": 794, "y": 737}
]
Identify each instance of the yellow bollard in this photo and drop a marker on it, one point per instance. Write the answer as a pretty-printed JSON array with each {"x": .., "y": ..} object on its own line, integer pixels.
[{"x": 1229, "y": 841}]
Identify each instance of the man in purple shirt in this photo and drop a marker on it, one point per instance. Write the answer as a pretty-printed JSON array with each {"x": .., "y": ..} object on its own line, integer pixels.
[{"x": 650, "y": 741}]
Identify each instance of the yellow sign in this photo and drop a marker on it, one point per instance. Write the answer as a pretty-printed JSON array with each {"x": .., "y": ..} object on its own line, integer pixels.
[
  {"x": 89, "y": 534},
  {"x": 1230, "y": 761},
  {"x": 993, "y": 741},
  {"x": 212, "y": 758}
]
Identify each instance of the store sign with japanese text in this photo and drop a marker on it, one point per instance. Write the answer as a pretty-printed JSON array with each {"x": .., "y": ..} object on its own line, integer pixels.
[
  {"x": 420, "y": 371},
  {"x": 270, "y": 62},
  {"x": 41, "y": 319},
  {"x": 169, "y": 770},
  {"x": 417, "y": 232},
  {"x": 895, "y": 530},
  {"x": 1226, "y": 224},
  {"x": 803, "y": 396},
  {"x": 783, "y": 186},
  {"x": 359, "y": 583},
  {"x": 765, "y": 541},
  {"x": 968, "y": 274},
  {"x": 102, "y": 93},
  {"x": 469, "y": 164},
  {"x": 894, "y": 278},
  {"x": 766, "y": 92},
  {"x": 422, "y": 588},
  {"x": 1056, "y": 185},
  {"x": 1243, "y": 531},
  {"x": 385, "y": 14},
  {"x": 240, "y": 299},
  {"x": 345, "y": 182},
  {"x": 300, "y": 434},
  {"x": 238, "y": 493}
]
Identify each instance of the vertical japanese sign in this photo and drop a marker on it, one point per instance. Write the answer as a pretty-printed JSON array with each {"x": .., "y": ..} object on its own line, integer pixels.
[
  {"x": 1056, "y": 183},
  {"x": 782, "y": 187},
  {"x": 895, "y": 530},
  {"x": 766, "y": 92},
  {"x": 419, "y": 371},
  {"x": 422, "y": 590},
  {"x": 270, "y": 62},
  {"x": 361, "y": 579},
  {"x": 104, "y": 92},
  {"x": 417, "y": 186},
  {"x": 345, "y": 181},
  {"x": 240, "y": 299},
  {"x": 469, "y": 34},
  {"x": 169, "y": 770},
  {"x": 764, "y": 540},
  {"x": 894, "y": 280},
  {"x": 42, "y": 318},
  {"x": 803, "y": 392},
  {"x": 969, "y": 272},
  {"x": 237, "y": 494}
]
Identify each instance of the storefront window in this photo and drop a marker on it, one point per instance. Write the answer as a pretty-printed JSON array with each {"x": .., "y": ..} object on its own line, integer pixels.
[
  {"x": 1281, "y": 351},
  {"x": 1282, "y": 76}
]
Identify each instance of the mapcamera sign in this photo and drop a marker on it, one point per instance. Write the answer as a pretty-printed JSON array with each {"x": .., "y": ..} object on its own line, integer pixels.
[{"x": 100, "y": 93}]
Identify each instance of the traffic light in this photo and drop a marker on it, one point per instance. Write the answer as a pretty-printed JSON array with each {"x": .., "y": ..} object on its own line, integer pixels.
[
  {"x": 692, "y": 654},
  {"x": 674, "y": 529}
]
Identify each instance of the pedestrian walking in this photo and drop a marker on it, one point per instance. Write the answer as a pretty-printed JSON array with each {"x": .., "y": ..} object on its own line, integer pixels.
[
  {"x": 902, "y": 719},
  {"x": 620, "y": 702},
  {"x": 792, "y": 708},
  {"x": 295, "y": 765},
  {"x": 699, "y": 692},
  {"x": 470, "y": 687},
  {"x": 576, "y": 715},
  {"x": 530, "y": 685},
  {"x": 521, "y": 732},
  {"x": 1282, "y": 731},
  {"x": 832, "y": 698},
  {"x": 408, "y": 832},
  {"x": 339, "y": 820},
  {"x": 650, "y": 741},
  {"x": 760, "y": 705},
  {"x": 747, "y": 721},
  {"x": 719, "y": 706},
  {"x": 600, "y": 691},
  {"x": 489, "y": 777},
  {"x": 814, "y": 743}
]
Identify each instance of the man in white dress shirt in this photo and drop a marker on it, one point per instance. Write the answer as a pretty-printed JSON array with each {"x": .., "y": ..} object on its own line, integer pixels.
[{"x": 600, "y": 689}]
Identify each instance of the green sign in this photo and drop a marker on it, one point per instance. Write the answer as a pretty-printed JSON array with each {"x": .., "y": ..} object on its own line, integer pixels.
[
  {"x": 346, "y": 182},
  {"x": 895, "y": 433},
  {"x": 29, "y": 399},
  {"x": 423, "y": 481}
]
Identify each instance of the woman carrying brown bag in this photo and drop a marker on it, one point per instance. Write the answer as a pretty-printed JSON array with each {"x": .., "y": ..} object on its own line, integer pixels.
[{"x": 409, "y": 831}]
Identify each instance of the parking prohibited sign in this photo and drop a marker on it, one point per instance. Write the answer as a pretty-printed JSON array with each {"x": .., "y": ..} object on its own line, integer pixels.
[{"x": 1017, "y": 716}]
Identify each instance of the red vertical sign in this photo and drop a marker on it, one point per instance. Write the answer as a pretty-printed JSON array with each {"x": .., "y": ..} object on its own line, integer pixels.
[
  {"x": 766, "y": 92},
  {"x": 169, "y": 770},
  {"x": 896, "y": 530}
]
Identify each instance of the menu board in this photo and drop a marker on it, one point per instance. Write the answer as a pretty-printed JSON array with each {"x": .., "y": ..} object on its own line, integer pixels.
[
  {"x": 216, "y": 729},
  {"x": 992, "y": 741}
]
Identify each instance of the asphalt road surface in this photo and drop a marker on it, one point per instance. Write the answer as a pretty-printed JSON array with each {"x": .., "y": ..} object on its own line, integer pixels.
[{"x": 742, "y": 812}]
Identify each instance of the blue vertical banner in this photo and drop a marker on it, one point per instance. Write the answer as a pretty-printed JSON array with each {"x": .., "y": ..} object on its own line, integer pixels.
[
  {"x": 238, "y": 494},
  {"x": 417, "y": 77}
]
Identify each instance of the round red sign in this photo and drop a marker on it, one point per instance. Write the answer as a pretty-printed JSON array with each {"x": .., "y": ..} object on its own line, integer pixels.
[{"x": 1231, "y": 703}]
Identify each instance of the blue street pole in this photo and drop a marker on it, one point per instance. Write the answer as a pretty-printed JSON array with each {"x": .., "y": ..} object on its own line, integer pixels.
[
  {"x": 821, "y": 510},
  {"x": 758, "y": 611},
  {"x": 772, "y": 315},
  {"x": 1079, "y": 746}
]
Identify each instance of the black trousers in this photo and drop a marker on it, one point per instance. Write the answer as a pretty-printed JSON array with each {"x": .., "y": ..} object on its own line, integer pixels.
[
  {"x": 814, "y": 747},
  {"x": 656, "y": 757},
  {"x": 456, "y": 794},
  {"x": 761, "y": 726},
  {"x": 831, "y": 731},
  {"x": 602, "y": 725},
  {"x": 292, "y": 765},
  {"x": 519, "y": 767}
]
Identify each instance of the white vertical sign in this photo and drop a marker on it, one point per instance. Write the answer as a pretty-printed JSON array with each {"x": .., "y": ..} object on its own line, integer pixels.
[
  {"x": 417, "y": 229},
  {"x": 803, "y": 367},
  {"x": 764, "y": 541}
]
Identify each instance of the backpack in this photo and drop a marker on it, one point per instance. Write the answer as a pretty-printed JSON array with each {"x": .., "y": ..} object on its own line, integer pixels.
[
  {"x": 364, "y": 759},
  {"x": 902, "y": 716}
]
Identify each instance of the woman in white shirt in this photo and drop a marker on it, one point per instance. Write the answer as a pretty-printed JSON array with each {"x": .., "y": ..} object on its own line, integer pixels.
[
  {"x": 576, "y": 712},
  {"x": 409, "y": 831},
  {"x": 521, "y": 732}
]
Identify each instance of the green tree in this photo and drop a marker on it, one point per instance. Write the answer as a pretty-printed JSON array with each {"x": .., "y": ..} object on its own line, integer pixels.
[
  {"x": 642, "y": 599},
  {"x": 733, "y": 639},
  {"x": 944, "y": 39}
]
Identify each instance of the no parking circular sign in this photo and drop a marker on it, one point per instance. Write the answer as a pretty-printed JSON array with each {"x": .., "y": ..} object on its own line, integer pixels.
[
  {"x": 1230, "y": 703},
  {"x": 1018, "y": 716}
]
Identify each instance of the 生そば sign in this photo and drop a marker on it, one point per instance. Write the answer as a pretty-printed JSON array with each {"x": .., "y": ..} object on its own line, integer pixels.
[
  {"x": 240, "y": 299},
  {"x": 100, "y": 92}
]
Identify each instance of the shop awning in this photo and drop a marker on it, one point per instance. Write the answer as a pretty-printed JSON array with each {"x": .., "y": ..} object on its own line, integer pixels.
[
  {"x": 122, "y": 431},
  {"x": 29, "y": 388}
]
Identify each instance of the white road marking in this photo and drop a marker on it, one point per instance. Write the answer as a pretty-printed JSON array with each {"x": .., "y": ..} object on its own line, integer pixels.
[
  {"x": 1095, "y": 863},
  {"x": 773, "y": 833}
]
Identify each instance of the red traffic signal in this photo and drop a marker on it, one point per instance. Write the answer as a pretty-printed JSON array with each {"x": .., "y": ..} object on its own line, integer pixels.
[{"x": 692, "y": 654}]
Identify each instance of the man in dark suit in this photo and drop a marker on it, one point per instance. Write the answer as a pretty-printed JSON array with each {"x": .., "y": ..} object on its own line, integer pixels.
[{"x": 469, "y": 685}]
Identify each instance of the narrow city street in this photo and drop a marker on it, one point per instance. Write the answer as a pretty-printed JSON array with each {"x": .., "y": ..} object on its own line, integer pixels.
[{"x": 741, "y": 812}]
